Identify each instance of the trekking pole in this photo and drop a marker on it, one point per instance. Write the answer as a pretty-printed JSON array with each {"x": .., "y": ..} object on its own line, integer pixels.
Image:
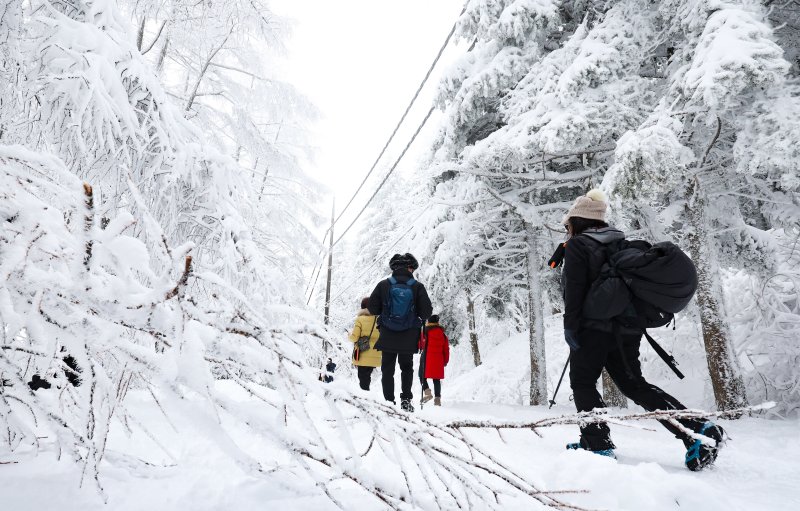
[
  {"x": 666, "y": 357},
  {"x": 553, "y": 401}
]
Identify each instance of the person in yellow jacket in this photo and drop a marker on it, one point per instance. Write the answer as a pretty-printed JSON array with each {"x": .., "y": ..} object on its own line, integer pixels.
[{"x": 367, "y": 360}]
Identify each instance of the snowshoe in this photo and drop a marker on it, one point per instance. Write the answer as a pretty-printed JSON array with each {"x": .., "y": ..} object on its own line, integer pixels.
[
  {"x": 602, "y": 452},
  {"x": 700, "y": 455},
  {"x": 406, "y": 406}
]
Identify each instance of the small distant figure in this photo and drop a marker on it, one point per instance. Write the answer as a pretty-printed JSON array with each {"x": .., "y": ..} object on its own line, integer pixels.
[
  {"x": 330, "y": 367},
  {"x": 435, "y": 348},
  {"x": 403, "y": 305},
  {"x": 364, "y": 336}
]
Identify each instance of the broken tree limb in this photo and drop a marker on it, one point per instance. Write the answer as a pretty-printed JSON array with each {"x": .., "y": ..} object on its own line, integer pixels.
[{"x": 603, "y": 416}]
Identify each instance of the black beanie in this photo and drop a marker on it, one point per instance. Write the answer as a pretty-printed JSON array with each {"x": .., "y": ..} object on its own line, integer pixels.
[{"x": 406, "y": 260}]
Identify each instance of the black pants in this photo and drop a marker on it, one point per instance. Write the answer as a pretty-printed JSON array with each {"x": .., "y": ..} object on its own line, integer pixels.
[
  {"x": 599, "y": 350},
  {"x": 364, "y": 377},
  {"x": 437, "y": 386},
  {"x": 406, "y": 363}
]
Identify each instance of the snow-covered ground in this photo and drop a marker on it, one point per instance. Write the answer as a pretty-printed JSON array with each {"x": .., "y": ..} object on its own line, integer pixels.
[
  {"x": 177, "y": 467},
  {"x": 186, "y": 454},
  {"x": 758, "y": 468}
]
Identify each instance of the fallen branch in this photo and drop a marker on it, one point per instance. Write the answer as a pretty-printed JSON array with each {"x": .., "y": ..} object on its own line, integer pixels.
[
  {"x": 443, "y": 456},
  {"x": 602, "y": 415}
]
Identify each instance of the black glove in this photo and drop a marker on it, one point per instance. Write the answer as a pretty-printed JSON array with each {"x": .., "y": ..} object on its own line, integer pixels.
[{"x": 571, "y": 336}]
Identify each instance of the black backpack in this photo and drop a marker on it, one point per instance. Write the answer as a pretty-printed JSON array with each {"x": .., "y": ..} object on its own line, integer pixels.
[{"x": 642, "y": 285}]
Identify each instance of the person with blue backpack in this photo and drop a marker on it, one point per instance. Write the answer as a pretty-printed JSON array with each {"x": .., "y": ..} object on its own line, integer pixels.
[
  {"x": 402, "y": 306},
  {"x": 613, "y": 290}
]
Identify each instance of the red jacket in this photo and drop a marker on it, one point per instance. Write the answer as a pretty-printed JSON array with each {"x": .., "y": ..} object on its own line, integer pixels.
[{"x": 435, "y": 351}]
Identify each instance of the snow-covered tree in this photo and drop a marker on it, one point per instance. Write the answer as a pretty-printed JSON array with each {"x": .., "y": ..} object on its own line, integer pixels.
[
  {"x": 689, "y": 167},
  {"x": 547, "y": 90},
  {"x": 129, "y": 261},
  {"x": 697, "y": 137}
]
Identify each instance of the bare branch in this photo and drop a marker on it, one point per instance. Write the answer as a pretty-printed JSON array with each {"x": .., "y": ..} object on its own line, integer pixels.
[
  {"x": 203, "y": 70},
  {"x": 184, "y": 278},
  {"x": 155, "y": 40}
]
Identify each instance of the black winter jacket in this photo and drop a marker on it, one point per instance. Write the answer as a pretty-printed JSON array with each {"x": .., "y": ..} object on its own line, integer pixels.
[
  {"x": 584, "y": 257},
  {"x": 405, "y": 342}
]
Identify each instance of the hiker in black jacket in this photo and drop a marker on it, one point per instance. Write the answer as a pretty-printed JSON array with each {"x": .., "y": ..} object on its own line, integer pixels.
[
  {"x": 597, "y": 344},
  {"x": 402, "y": 305}
]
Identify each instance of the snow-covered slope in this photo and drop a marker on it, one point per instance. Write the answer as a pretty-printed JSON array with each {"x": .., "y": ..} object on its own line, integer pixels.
[{"x": 757, "y": 470}]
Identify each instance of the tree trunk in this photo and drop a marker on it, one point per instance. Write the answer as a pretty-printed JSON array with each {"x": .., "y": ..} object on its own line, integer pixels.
[
  {"x": 162, "y": 55},
  {"x": 726, "y": 379},
  {"x": 611, "y": 393},
  {"x": 538, "y": 394},
  {"x": 473, "y": 334},
  {"x": 140, "y": 34}
]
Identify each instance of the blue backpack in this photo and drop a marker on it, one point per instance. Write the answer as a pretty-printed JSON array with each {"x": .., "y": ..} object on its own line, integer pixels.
[{"x": 399, "y": 313}]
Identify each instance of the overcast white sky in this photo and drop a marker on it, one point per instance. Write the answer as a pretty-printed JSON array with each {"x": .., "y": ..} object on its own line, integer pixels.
[{"x": 360, "y": 62}]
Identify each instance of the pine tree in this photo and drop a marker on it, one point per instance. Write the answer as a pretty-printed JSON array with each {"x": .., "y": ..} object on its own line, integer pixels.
[{"x": 696, "y": 135}]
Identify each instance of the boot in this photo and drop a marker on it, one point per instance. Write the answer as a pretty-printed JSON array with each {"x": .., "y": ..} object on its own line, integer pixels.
[
  {"x": 700, "y": 455},
  {"x": 427, "y": 395},
  {"x": 602, "y": 452},
  {"x": 406, "y": 406},
  {"x": 437, "y": 401}
]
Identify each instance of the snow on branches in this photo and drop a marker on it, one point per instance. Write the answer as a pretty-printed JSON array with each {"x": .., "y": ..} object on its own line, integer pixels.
[{"x": 129, "y": 325}]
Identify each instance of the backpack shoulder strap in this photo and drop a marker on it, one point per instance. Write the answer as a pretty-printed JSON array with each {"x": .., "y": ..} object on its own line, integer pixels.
[
  {"x": 392, "y": 280},
  {"x": 411, "y": 282},
  {"x": 608, "y": 248}
]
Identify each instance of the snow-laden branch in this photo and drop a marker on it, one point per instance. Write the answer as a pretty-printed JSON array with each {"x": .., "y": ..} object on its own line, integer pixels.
[{"x": 603, "y": 415}]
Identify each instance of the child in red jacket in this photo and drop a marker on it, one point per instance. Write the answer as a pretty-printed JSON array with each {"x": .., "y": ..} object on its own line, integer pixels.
[{"x": 435, "y": 348}]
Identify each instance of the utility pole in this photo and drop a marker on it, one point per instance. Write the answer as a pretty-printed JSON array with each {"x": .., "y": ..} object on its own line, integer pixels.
[{"x": 330, "y": 271}]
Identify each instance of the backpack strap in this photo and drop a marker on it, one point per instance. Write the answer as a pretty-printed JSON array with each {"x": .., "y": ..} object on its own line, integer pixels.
[
  {"x": 373, "y": 327},
  {"x": 410, "y": 282}
]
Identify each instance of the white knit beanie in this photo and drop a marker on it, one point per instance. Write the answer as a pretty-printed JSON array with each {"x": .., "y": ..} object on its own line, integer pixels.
[{"x": 592, "y": 206}]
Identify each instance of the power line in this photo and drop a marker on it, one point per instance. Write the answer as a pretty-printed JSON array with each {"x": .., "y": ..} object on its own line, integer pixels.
[
  {"x": 385, "y": 178},
  {"x": 317, "y": 267},
  {"x": 447, "y": 40},
  {"x": 405, "y": 114},
  {"x": 379, "y": 258},
  {"x": 403, "y": 118},
  {"x": 391, "y": 170}
]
